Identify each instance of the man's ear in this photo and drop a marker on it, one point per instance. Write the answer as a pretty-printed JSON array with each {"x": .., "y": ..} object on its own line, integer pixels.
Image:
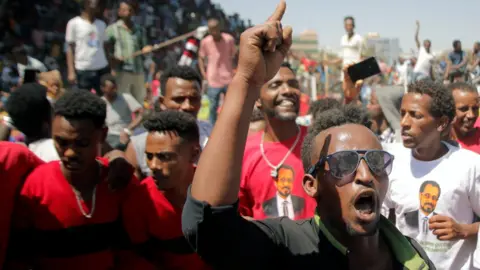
[
  {"x": 444, "y": 123},
  {"x": 196, "y": 151},
  {"x": 258, "y": 104},
  {"x": 311, "y": 186},
  {"x": 160, "y": 104}
]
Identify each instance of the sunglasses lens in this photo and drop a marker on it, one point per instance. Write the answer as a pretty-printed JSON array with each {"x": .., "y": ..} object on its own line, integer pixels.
[
  {"x": 343, "y": 163},
  {"x": 380, "y": 162}
]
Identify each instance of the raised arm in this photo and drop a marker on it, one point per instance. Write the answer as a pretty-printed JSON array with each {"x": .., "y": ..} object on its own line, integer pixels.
[
  {"x": 417, "y": 31},
  {"x": 210, "y": 221},
  {"x": 260, "y": 59}
]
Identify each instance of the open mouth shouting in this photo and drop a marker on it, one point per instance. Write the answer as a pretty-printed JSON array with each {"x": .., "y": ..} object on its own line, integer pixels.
[{"x": 366, "y": 206}]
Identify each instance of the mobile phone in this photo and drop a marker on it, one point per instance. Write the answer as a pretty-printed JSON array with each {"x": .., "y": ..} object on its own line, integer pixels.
[
  {"x": 30, "y": 75},
  {"x": 367, "y": 68}
]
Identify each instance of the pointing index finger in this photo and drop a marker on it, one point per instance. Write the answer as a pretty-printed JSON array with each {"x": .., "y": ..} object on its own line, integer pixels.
[{"x": 278, "y": 13}]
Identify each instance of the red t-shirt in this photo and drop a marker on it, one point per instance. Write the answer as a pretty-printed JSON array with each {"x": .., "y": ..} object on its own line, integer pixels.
[
  {"x": 471, "y": 143},
  {"x": 59, "y": 235},
  {"x": 150, "y": 217},
  {"x": 16, "y": 162},
  {"x": 259, "y": 196}
]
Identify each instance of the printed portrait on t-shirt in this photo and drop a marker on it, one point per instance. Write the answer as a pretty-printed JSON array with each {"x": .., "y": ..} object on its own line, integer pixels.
[
  {"x": 93, "y": 40},
  {"x": 429, "y": 194},
  {"x": 284, "y": 203}
]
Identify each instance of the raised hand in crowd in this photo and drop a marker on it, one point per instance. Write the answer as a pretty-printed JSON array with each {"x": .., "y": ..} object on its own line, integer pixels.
[
  {"x": 351, "y": 90},
  {"x": 262, "y": 51}
]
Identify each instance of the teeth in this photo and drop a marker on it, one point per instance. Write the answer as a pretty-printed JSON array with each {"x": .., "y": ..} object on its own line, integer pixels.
[{"x": 286, "y": 103}]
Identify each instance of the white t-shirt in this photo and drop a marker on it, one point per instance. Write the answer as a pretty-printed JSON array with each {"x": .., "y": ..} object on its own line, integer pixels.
[
  {"x": 88, "y": 39},
  {"x": 352, "y": 49},
  {"x": 448, "y": 186},
  {"x": 119, "y": 112},
  {"x": 32, "y": 64},
  {"x": 44, "y": 149},
  {"x": 424, "y": 62}
]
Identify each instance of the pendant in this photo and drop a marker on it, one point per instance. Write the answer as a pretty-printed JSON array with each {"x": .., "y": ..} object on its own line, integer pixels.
[{"x": 274, "y": 173}]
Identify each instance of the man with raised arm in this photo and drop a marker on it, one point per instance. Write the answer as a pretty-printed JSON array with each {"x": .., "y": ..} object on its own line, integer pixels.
[{"x": 347, "y": 231}]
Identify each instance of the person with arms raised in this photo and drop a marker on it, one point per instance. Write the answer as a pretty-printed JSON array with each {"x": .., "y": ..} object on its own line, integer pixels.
[
  {"x": 347, "y": 230},
  {"x": 76, "y": 224}
]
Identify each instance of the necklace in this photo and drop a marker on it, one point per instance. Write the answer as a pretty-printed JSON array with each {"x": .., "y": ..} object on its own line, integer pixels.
[
  {"x": 274, "y": 171},
  {"x": 94, "y": 197}
]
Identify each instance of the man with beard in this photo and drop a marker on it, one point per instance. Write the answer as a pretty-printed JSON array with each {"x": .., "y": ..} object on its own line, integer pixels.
[
  {"x": 153, "y": 216},
  {"x": 279, "y": 144},
  {"x": 466, "y": 103},
  {"x": 180, "y": 91},
  {"x": 427, "y": 110},
  {"x": 346, "y": 233}
]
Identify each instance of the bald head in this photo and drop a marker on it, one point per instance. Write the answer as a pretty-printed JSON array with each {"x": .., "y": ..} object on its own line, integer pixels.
[{"x": 214, "y": 29}]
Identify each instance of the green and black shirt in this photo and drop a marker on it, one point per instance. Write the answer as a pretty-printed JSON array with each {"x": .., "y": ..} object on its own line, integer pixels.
[{"x": 227, "y": 241}]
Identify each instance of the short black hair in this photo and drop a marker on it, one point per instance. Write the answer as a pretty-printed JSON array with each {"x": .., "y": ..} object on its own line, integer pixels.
[
  {"x": 442, "y": 103},
  {"x": 287, "y": 65},
  {"x": 349, "y": 18},
  {"x": 29, "y": 108},
  {"x": 82, "y": 105},
  {"x": 432, "y": 183},
  {"x": 183, "y": 72},
  {"x": 462, "y": 86},
  {"x": 183, "y": 124},
  {"x": 107, "y": 77},
  {"x": 347, "y": 114},
  {"x": 456, "y": 42},
  {"x": 321, "y": 105}
]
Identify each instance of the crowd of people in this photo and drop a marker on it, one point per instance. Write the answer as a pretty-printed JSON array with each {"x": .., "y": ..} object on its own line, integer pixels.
[{"x": 93, "y": 179}]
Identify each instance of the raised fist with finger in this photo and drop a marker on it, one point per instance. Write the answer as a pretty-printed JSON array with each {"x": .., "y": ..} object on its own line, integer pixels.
[{"x": 263, "y": 48}]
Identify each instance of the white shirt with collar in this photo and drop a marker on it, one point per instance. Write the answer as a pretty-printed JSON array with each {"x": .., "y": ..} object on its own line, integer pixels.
[{"x": 280, "y": 200}]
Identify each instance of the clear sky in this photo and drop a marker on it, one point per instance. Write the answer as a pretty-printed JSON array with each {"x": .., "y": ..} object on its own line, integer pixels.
[{"x": 442, "y": 21}]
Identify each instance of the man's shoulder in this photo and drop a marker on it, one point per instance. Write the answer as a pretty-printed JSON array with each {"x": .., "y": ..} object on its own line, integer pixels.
[
  {"x": 227, "y": 37},
  {"x": 206, "y": 40},
  {"x": 41, "y": 176}
]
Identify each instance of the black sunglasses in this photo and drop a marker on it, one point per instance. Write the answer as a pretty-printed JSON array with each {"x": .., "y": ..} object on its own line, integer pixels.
[{"x": 343, "y": 164}]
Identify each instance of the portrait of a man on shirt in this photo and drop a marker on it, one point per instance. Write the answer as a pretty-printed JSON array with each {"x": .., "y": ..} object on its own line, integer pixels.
[
  {"x": 429, "y": 194},
  {"x": 284, "y": 203}
]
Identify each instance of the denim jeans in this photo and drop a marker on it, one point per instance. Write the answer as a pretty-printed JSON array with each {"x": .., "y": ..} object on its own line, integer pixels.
[
  {"x": 90, "y": 79},
  {"x": 214, "y": 97}
]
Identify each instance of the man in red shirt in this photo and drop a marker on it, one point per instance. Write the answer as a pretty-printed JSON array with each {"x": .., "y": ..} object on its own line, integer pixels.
[
  {"x": 153, "y": 217},
  {"x": 16, "y": 162},
  {"x": 466, "y": 104},
  {"x": 277, "y": 146},
  {"x": 66, "y": 217}
]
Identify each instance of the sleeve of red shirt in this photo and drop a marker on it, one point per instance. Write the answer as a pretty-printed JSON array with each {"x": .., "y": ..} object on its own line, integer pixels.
[
  {"x": 133, "y": 217},
  {"x": 19, "y": 254},
  {"x": 136, "y": 225}
]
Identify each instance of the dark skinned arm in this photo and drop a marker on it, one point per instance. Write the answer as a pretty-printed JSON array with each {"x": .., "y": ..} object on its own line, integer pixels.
[
  {"x": 210, "y": 213},
  {"x": 224, "y": 152}
]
